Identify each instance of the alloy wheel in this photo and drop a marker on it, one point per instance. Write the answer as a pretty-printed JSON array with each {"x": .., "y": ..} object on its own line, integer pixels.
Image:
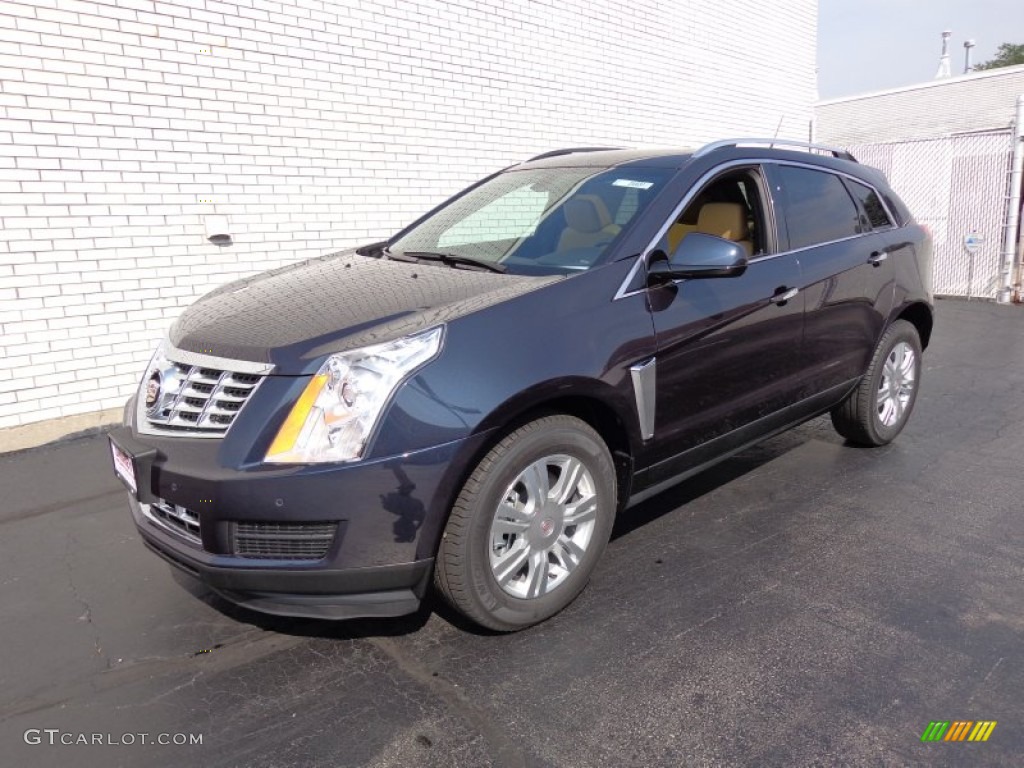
[
  {"x": 542, "y": 526},
  {"x": 896, "y": 387}
]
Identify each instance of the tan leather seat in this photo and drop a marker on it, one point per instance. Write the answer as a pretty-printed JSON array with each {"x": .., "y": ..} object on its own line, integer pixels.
[
  {"x": 677, "y": 232},
  {"x": 588, "y": 223},
  {"x": 727, "y": 220}
]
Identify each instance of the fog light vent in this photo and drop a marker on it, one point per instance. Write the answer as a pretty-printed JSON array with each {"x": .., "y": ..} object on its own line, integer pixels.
[{"x": 284, "y": 541}]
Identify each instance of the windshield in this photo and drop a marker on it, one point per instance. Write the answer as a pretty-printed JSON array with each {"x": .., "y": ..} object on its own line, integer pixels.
[{"x": 536, "y": 221}]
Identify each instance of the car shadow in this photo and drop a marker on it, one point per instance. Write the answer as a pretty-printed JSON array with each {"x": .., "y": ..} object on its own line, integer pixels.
[{"x": 711, "y": 479}]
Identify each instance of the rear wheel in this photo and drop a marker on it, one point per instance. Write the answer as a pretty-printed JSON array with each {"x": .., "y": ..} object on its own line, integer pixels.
[
  {"x": 529, "y": 526},
  {"x": 878, "y": 409}
]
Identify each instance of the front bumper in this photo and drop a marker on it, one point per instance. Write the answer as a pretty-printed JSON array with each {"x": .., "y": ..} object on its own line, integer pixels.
[
  {"x": 389, "y": 515},
  {"x": 318, "y": 592}
]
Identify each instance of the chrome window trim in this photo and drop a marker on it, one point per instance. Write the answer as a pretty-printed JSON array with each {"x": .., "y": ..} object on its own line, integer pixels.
[
  {"x": 803, "y": 248},
  {"x": 881, "y": 200},
  {"x": 622, "y": 293},
  {"x": 851, "y": 177},
  {"x": 641, "y": 259}
]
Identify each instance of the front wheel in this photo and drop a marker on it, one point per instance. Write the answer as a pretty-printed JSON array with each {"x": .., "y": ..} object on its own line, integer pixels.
[
  {"x": 529, "y": 526},
  {"x": 878, "y": 409}
]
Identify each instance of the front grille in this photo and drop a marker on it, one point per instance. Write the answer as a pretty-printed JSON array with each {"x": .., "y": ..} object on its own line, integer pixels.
[
  {"x": 284, "y": 541},
  {"x": 198, "y": 398},
  {"x": 177, "y": 518}
]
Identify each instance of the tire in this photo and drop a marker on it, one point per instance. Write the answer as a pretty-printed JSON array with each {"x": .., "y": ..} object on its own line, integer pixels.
[
  {"x": 506, "y": 563},
  {"x": 878, "y": 409}
]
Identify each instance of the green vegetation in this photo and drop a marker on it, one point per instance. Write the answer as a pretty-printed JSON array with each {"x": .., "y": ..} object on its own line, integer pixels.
[{"x": 1007, "y": 55}]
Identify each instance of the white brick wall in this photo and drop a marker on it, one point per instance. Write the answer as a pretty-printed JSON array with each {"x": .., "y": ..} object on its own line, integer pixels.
[{"x": 313, "y": 125}]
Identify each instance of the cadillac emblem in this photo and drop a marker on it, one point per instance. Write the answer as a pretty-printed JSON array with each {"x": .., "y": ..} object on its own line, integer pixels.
[{"x": 153, "y": 390}]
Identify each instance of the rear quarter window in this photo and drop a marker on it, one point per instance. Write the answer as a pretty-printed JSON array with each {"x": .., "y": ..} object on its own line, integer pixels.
[
  {"x": 818, "y": 209},
  {"x": 874, "y": 216}
]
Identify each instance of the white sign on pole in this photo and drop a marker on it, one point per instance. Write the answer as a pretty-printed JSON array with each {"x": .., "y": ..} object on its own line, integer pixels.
[{"x": 973, "y": 242}]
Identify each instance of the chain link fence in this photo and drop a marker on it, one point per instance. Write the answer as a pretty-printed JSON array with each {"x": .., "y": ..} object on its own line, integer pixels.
[{"x": 955, "y": 186}]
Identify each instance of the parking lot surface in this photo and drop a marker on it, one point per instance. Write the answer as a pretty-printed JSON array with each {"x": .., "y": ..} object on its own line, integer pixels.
[{"x": 804, "y": 603}]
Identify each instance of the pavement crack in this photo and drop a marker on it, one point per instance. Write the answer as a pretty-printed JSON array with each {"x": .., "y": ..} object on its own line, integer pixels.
[
  {"x": 982, "y": 684},
  {"x": 164, "y": 694},
  {"x": 504, "y": 752},
  {"x": 86, "y": 616}
]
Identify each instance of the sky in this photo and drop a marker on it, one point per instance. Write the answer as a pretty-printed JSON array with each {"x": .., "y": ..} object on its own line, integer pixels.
[{"x": 870, "y": 45}]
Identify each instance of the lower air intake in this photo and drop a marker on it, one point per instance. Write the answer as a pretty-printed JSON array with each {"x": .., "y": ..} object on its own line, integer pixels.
[{"x": 284, "y": 541}]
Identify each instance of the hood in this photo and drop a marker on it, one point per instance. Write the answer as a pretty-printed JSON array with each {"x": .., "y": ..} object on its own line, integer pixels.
[{"x": 295, "y": 315}]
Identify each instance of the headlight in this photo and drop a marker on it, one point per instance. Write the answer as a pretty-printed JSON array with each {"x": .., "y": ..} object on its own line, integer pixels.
[{"x": 335, "y": 415}]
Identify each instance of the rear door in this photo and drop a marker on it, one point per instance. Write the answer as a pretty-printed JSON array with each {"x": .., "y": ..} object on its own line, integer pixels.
[{"x": 846, "y": 274}]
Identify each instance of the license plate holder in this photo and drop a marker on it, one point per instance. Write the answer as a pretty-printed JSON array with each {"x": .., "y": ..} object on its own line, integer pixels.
[
  {"x": 133, "y": 463},
  {"x": 124, "y": 468}
]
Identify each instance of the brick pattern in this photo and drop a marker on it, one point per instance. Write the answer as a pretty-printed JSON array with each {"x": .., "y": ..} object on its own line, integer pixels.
[{"x": 313, "y": 125}]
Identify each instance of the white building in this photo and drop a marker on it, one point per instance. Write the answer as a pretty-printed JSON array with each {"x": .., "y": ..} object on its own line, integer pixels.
[
  {"x": 947, "y": 147},
  {"x": 303, "y": 126},
  {"x": 979, "y": 101}
]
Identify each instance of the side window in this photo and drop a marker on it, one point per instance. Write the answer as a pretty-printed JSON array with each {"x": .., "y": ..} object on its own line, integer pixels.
[
  {"x": 818, "y": 207},
  {"x": 509, "y": 217},
  {"x": 876, "y": 217},
  {"x": 729, "y": 207}
]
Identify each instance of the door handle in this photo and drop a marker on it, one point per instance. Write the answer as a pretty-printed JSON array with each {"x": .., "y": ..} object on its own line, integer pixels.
[
  {"x": 877, "y": 258},
  {"x": 782, "y": 295}
]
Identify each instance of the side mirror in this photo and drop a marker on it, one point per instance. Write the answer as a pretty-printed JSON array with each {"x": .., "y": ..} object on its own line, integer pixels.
[{"x": 699, "y": 256}]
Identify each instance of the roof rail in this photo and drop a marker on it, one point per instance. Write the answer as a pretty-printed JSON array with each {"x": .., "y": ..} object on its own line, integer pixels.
[
  {"x": 782, "y": 143},
  {"x": 568, "y": 151}
]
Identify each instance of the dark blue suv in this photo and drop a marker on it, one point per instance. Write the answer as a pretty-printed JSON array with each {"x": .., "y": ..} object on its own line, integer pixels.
[{"x": 473, "y": 401}]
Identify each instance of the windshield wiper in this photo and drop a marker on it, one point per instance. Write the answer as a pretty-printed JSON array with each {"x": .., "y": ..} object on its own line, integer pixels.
[
  {"x": 453, "y": 259},
  {"x": 395, "y": 257}
]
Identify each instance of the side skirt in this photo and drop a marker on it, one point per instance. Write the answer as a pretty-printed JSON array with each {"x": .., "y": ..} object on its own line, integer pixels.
[{"x": 696, "y": 460}]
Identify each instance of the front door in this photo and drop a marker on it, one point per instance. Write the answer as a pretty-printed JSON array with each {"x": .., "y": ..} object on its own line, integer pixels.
[{"x": 729, "y": 347}]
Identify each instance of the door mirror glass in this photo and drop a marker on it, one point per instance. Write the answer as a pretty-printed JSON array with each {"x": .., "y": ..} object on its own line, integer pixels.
[{"x": 699, "y": 256}]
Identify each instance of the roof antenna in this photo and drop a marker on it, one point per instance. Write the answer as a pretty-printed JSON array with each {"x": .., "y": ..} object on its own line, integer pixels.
[{"x": 777, "y": 129}]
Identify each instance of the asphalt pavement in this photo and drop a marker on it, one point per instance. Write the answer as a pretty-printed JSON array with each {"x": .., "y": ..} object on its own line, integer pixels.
[{"x": 804, "y": 603}]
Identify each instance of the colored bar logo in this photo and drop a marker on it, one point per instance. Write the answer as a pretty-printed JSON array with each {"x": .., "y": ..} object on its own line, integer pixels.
[{"x": 958, "y": 730}]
